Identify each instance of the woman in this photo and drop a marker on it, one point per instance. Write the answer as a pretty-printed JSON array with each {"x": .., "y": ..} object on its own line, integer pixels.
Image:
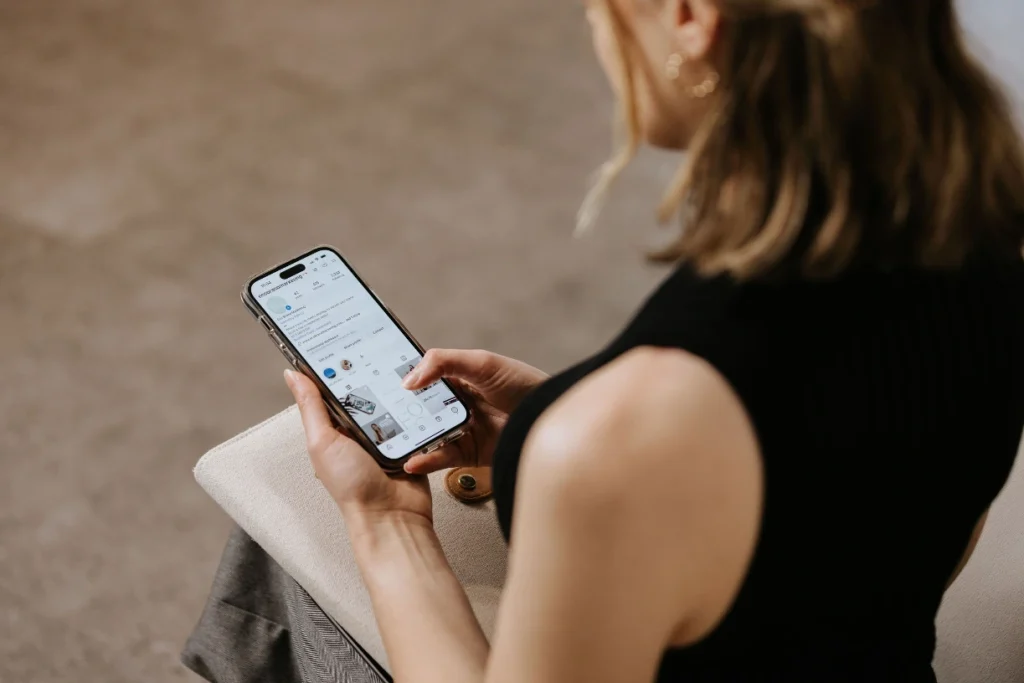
[
  {"x": 378, "y": 434},
  {"x": 776, "y": 469}
]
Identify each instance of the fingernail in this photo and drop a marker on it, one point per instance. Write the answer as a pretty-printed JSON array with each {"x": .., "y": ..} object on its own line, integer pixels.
[
  {"x": 410, "y": 379},
  {"x": 289, "y": 376}
]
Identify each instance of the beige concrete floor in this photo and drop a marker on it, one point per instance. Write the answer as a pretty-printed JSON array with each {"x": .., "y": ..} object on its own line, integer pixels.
[{"x": 153, "y": 153}]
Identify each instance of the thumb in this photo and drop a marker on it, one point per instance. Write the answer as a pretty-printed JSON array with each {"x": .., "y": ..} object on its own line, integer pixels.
[
  {"x": 473, "y": 367},
  {"x": 440, "y": 459}
]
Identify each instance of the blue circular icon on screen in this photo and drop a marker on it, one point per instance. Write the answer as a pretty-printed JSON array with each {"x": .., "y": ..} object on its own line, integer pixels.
[
  {"x": 287, "y": 308},
  {"x": 329, "y": 373}
]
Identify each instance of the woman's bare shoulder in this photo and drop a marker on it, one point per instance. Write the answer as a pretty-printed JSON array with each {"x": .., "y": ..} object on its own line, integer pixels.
[{"x": 656, "y": 445}]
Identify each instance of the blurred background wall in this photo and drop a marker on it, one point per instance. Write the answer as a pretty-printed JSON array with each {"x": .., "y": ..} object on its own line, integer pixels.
[{"x": 154, "y": 153}]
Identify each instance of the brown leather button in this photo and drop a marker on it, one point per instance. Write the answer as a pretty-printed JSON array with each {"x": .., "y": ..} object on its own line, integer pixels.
[{"x": 469, "y": 484}]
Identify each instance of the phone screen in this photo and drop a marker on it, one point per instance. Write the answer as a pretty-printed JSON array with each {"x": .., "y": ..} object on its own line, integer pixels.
[{"x": 358, "y": 351}]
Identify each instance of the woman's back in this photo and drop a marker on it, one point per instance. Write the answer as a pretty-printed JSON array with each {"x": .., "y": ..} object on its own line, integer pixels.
[{"x": 888, "y": 408}]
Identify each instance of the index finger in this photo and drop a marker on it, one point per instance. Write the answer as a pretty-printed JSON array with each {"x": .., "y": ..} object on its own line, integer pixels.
[{"x": 471, "y": 366}]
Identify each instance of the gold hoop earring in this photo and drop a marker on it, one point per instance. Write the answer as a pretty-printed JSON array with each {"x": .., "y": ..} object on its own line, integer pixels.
[
  {"x": 673, "y": 69},
  {"x": 675, "y": 60},
  {"x": 705, "y": 87}
]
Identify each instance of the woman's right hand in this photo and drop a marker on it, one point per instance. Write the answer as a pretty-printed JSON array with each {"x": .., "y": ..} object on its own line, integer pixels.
[{"x": 493, "y": 384}]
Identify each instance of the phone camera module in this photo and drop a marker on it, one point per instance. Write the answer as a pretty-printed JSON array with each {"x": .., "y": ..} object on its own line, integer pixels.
[{"x": 292, "y": 272}]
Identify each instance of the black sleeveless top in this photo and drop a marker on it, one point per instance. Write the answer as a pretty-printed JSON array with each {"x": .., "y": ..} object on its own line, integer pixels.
[{"x": 888, "y": 408}]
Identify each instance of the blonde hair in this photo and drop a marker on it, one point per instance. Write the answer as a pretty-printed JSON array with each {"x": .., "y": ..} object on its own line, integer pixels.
[{"x": 845, "y": 134}]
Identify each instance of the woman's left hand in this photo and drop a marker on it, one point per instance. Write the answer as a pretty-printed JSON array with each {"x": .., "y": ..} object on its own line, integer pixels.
[{"x": 357, "y": 483}]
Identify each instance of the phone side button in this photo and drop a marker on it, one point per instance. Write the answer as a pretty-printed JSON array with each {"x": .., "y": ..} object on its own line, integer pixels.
[
  {"x": 264, "y": 322},
  {"x": 287, "y": 353},
  {"x": 434, "y": 447}
]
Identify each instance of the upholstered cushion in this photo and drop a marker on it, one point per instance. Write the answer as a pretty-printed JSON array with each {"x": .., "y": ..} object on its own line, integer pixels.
[{"x": 263, "y": 480}]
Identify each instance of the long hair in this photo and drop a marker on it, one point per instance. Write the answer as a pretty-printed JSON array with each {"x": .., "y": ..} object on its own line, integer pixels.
[{"x": 842, "y": 133}]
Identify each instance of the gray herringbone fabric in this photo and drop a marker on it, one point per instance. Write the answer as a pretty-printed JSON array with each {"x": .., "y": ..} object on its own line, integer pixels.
[
  {"x": 327, "y": 652},
  {"x": 259, "y": 625}
]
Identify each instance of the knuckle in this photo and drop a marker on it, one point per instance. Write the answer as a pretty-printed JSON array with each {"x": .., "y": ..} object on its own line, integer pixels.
[
  {"x": 434, "y": 358},
  {"x": 320, "y": 445},
  {"x": 450, "y": 362},
  {"x": 482, "y": 361}
]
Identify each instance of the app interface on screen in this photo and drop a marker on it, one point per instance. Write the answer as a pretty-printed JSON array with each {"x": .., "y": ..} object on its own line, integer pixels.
[{"x": 358, "y": 352}]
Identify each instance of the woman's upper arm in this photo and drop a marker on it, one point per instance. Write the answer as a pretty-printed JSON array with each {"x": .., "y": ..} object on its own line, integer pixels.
[{"x": 637, "y": 511}]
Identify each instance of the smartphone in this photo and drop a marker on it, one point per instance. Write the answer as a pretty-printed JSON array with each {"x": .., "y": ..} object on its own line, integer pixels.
[{"x": 332, "y": 327}]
